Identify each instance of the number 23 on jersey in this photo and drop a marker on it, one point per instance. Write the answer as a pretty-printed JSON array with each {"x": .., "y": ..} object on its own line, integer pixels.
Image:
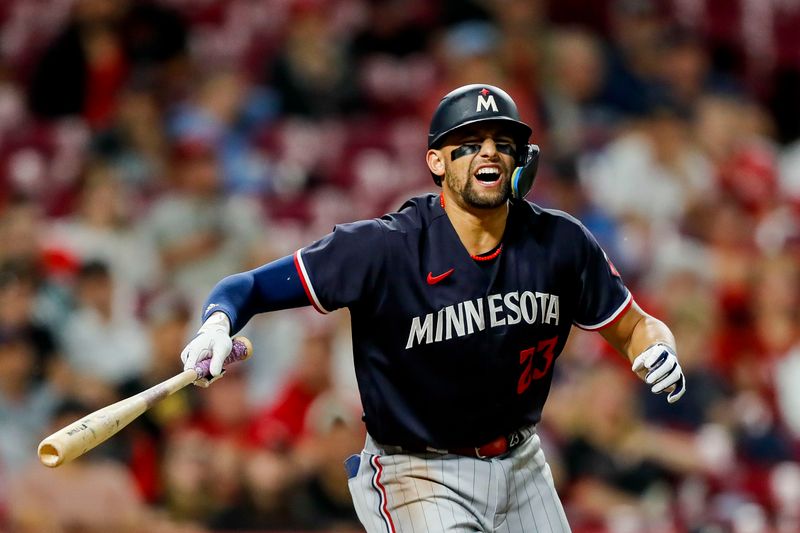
[{"x": 537, "y": 361}]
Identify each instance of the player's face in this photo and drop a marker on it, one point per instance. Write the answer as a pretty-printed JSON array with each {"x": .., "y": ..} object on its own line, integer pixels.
[{"x": 478, "y": 163}]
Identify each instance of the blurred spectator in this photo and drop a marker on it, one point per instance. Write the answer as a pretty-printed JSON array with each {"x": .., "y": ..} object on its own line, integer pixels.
[
  {"x": 101, "y": 230},
  {"x": 314, "y": 73},
  {"x": 396, "y": 28},
  {"x": 269, "y": 478},
  {"x": 734, "y": 134},
  {"x": 83, "y": 495},
  {"x": 456, "y": 11},
  {"x": 333, "y": 430},
  {"x": 169, "y": 323},
  {"x": 21, "y": 222},
  {"x": 103, "y": 339},
  {"x": 142, "y": 443},
  {"x": 650, "y": 179},
  {"x": 689, "y": 305},
  {"x": 391, "y": 52},
  {"x": 306, "y": 488},
  {"x": 618, "y": 462},
  {"x": 155, "y": 36},
  {"x": 525, "y": 35},
  {"x": 281, "y": 424},
  {"x": 559, "y": 187},
  {"x": 280, "y": 335},
  {"x": 26, "y": 404},
  {"x": 790, "y": 172},
  {"x": 633, "y": 56},
  {"x": 197, "y": 231},
  {"x": 776, "y": 303},
  {"x": 187, "y": 495},
  {"x": 469, "y": 52},
  {"x": 223, "y": 413},
  {"x": 22, "y": 225},
  {"x": 728, "y": 233},
  {"x": 134, "y": 144},
  {"x": 655, "y": 172},
  {"x": 213, "y": 470},
  {"x": 225, "y": 114},
  {"x": 575, "y": 120},
  {"x": 760, "y": 423},
  {"x": 685, "y": 68},
  {"x": 787, "y": 372},
  {"x": 84, "y": 68},
  {"x": 101, "y": 46},
  {"x": 19, "y": 284}
]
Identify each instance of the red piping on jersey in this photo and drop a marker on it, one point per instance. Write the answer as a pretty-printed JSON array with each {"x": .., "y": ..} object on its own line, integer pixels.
[
  {"x": 616, "y": 318},
  {"x": 382, "y": 491},
  {"x": 477, "y": 257},
  {"x": 304, "y": 282}
]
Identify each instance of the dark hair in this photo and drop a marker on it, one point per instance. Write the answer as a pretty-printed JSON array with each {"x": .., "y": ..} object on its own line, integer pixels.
[
  {"x": 93, "y": 269},
  {"x": 70, "y": 405},
  {"x": 19, "y": 271}
]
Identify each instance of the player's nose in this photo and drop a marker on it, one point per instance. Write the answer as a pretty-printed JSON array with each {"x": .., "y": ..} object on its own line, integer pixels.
[{"x": 488, "y": 148}]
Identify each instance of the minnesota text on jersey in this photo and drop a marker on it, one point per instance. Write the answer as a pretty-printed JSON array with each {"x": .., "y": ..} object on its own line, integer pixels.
[{"x": 464, "y": 318}]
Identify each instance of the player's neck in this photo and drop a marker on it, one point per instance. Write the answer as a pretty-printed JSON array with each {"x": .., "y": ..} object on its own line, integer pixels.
[{"x": 479, "y": 230}]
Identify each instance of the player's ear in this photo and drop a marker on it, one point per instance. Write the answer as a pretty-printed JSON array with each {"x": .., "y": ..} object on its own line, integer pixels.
[{"x": 435, "y": 160}]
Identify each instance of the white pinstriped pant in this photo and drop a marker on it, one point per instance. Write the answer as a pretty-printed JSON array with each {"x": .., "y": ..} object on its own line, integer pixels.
[{"x": 420, "y": 493}]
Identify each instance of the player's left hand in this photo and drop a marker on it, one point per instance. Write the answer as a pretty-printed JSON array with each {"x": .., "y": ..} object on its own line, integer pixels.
[{"x": 661, "y": 369}]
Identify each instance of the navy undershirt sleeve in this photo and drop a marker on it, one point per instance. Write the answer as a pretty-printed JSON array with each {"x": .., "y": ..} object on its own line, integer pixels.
[{"x": 270, "y": 287}]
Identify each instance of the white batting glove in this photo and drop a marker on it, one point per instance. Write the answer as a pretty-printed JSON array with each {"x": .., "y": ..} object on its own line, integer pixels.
[
  {"x": 213, "y": 341},
  {"x": 664, "y": 371}
]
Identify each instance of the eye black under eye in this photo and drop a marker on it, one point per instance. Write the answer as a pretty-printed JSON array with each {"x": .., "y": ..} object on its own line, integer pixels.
[
  {"x": 507, "y": 149},
  {"x": 468, "y": 149},
  {"x": 464, "y": 149}
]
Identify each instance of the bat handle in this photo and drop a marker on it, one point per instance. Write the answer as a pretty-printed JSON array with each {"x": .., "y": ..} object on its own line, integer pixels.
[{"x": 241, "y": 350}]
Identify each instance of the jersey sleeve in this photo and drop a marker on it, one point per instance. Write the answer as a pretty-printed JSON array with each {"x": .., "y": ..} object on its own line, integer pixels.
[
  {"x": 603, "y": 295},
  {"x": 343, "y": 268},
  {"x": 270, "y": 287}
]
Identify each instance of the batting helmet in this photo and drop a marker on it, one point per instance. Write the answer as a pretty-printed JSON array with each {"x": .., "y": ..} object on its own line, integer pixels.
[{"x": 475, "y": 103}]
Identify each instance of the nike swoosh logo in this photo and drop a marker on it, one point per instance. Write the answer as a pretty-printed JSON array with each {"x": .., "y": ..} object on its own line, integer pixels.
[{"x": 433, "y": 280}]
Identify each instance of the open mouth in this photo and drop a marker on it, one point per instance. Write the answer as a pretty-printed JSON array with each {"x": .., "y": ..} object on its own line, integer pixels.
[{"x": 488, "y": 174}]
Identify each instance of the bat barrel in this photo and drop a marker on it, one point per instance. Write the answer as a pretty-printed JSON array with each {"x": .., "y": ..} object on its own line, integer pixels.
[{"x": 86, "y": 433}]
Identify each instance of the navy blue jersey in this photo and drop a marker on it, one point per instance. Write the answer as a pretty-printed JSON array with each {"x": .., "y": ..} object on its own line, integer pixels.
[{"x": 449, "y": 353}]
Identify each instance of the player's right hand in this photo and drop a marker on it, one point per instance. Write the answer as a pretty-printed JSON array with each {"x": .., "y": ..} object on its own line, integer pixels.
[{"x": 213, "y": 341}]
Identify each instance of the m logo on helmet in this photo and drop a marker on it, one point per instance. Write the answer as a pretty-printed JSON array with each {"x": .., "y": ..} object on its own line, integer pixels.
[{"x": 485, "y": 103}]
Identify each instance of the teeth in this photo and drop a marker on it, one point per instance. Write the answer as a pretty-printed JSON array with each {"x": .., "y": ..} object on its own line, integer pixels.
[{"x": 488, "y": 171}]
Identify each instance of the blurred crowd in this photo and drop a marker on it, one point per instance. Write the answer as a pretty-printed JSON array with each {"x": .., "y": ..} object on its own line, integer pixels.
[{"x": 149, "y": 148}]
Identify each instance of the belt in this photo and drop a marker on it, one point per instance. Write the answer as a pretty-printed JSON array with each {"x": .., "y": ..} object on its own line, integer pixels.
[{"x": 499, "y": 446}]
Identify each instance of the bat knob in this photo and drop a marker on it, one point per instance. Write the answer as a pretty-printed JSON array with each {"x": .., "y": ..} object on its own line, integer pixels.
[{"x": 241, "y": 349}]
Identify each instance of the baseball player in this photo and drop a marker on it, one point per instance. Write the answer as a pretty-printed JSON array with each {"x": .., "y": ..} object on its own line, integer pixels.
[{"x": 461, "y": 303}]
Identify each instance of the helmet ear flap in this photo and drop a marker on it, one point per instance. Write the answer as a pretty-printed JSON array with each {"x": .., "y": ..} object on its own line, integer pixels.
[{"x": 523, "y": 176}]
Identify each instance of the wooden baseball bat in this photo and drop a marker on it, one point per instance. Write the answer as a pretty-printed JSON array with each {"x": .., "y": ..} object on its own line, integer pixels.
[{"x": 84, "y": 434}]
